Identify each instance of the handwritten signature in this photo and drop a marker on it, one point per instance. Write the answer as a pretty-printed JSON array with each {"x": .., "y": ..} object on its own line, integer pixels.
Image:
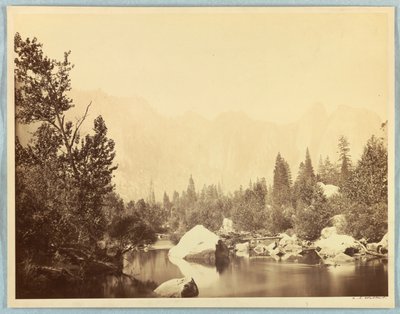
[{"x": 368, "y": 297}]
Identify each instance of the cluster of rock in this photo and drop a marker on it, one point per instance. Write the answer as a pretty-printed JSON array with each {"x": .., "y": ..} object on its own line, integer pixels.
[
  {"x": 280, "y": 248},
  {"x": 200, "y": 245},
  {"x": 337, "y": 249},
  {"x": 332, "y": 248}
]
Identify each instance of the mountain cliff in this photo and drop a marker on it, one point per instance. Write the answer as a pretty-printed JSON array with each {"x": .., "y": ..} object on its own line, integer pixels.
[{"x": 231, "y": 149}]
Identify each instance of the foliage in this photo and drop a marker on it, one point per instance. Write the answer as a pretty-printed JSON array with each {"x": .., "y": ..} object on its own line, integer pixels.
[
  {"x": 305, "y": 183},
  {"x": 279, "y": 219},
  {"x": 62, "y": 180},
  {"x": 310, "y": 220},
  {"x": 327, "y": 172},
  {"x": 367, "y": 190},
  {"x": 369, "y": 222},
  {"x": 345, "y": 161},
  {"x": 132, "y": 229},
  {"x": 248, "y": 208},
  {"x": 207, "y": 210}
]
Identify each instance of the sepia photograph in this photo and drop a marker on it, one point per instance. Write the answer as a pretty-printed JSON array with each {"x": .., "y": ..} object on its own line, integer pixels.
[{"x": 200, "y": 157}]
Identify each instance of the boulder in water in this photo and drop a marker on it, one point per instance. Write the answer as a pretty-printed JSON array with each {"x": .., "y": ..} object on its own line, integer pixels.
[
  {"x": 310, "y": 257},
  {"x": 196, "y": 240},
  {"x": 342, "y": 258},
  {"x": 380, "y": 247},
  {"x": 335, "y": 244},
  {"x": 261, "y": 249},
  {"x": 383, "y": 245},
  {"x": 206, "y": 257},
  {"x": 221, "y": 256},
  {"x": 293, "y": 248},
  {"x": 287, "y": 240},
  {"x": 242, "y": 249},
  {"x": 178, "y": 288},
  {"x": 289, "y": 257}
]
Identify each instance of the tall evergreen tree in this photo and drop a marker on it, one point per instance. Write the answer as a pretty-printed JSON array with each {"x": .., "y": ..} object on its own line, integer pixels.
[
  {"x": 308, "y": 168},
  {"x": 367, "y": 190},
  {"x": 368, "y": 184},
  {"x": 191, "y": 191},
  {"x": 167, "y": 203},
  {"x": 305, "y": 183},
  {"x": 281, "y": 184},
  {"x": 344, "y": 159},
  {"x": 327, "y": 172},
  {"x": 151, "y": 198}
]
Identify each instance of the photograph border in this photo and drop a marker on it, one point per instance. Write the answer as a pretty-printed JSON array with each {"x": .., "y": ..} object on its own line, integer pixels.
[{"x": 358, "y": 302}]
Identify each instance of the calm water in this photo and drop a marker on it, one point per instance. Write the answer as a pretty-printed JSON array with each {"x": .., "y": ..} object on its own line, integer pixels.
[
  {"x": 262, "y": 277},
  {"x": 244, "y": 277}
]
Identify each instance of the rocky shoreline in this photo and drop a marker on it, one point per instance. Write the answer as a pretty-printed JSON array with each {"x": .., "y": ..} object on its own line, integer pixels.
[{"x": 200, "y": 245}]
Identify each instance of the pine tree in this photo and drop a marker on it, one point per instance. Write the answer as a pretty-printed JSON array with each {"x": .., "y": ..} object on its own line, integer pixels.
[
  {"x": 305, "y": 183},
  {"x": 167, "y": 204},
  {"x": 282, "y": 182},
  {"x": 321, "y": 173},
  {"x": 308, "y": 168},
  {"x": 191, "y": 192},
  {"x": 81, "y": 167},
  {"x": 151, "y": 198},
  {"x": 327, "y": 172},
  {"x": 368, "y": 183},
  {"x": 345, "y": 161},
  {"x": 367, "y": 190}
]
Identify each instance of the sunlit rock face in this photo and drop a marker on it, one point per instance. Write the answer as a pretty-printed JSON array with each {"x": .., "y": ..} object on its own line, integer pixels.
[
  {"x": 197, "y": 240},
  {"x": 231, "y": 149},
  {"x": 332, "y": 244}
]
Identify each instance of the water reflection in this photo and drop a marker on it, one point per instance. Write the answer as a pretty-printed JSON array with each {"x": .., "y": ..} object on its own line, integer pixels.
[
  {"x": 204, "y": 276},
  {"x": 263, "y": 277},
  {"x": 153, "y": 265}
]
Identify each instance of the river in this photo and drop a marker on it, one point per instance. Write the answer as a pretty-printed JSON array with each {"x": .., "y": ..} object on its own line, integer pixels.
[{"x": 244, "y": 277}]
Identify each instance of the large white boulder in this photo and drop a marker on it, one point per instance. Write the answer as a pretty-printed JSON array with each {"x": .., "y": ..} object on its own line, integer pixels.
[
  {"x": 287, "y": 240},
  {"x": 342, "y": 258},
  {"x": 384, "y": 242},
  {"x": 261, "y": 249},
  {"x": 196, "y": 240},
  {"x": 380, "y": 247},
  {"x": 242, "y": 249},
  {"x": 335, "y": 244},
  {"x": 329, "y": 189}
]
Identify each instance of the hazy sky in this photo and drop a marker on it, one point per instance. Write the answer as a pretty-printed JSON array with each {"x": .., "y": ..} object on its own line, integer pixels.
[{"x": 273, "y": 65}]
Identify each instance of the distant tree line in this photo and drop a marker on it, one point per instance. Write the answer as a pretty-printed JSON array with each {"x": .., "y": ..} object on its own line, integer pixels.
[{"x": 301, "y": 205}]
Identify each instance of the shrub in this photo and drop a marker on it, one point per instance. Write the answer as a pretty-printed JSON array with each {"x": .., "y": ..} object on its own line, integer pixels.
[
  {"x": 369, "y": 222},
  {"x": 310, "y": 220}
]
